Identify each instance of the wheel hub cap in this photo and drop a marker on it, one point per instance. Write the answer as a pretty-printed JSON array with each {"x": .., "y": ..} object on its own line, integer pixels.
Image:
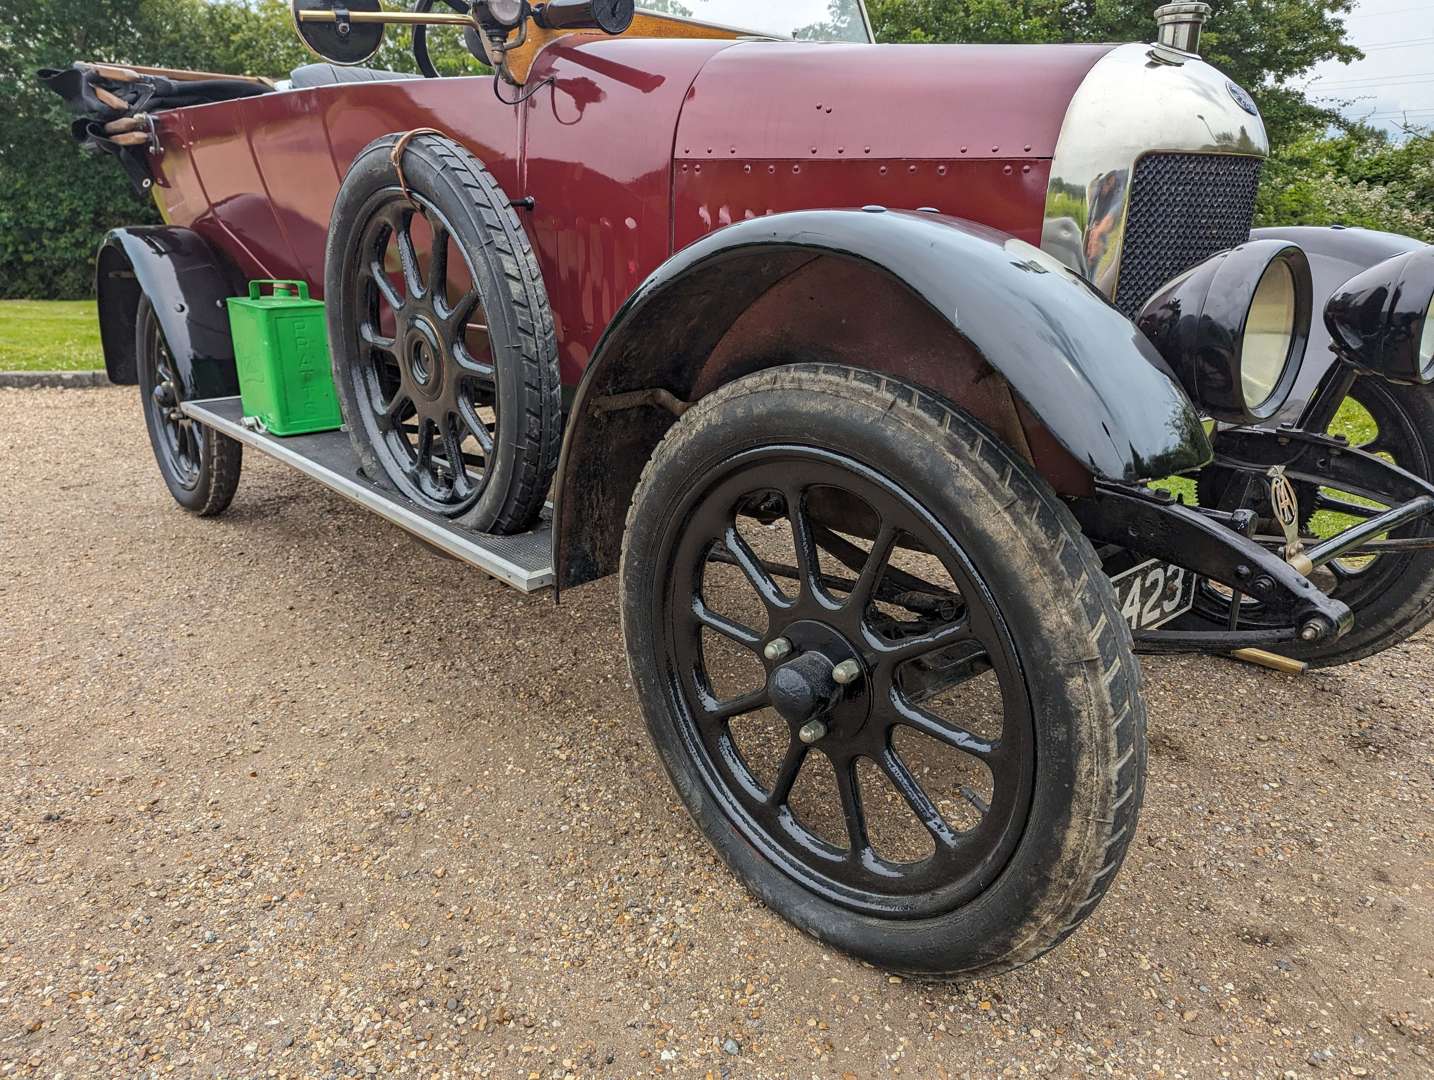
[
  {"x": 803, "y": 687},
  {"x": 425, "y": 356}
]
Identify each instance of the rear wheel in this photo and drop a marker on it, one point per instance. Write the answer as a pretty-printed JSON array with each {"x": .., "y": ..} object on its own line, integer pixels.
[
  {"x": 199, "y": 465},
  {"x": 883, "y": 669}
]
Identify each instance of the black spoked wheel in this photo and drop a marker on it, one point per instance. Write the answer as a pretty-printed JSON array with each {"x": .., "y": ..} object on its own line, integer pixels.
[
  {"x": 842, "y": 670},
  {"x": 200, "y": 467},
  {"x": 424, "y": 370},
  {"x": 1391, "y": 595},
  {"x": 852, "y": 654},
  {"x": 445, "y": 359}
]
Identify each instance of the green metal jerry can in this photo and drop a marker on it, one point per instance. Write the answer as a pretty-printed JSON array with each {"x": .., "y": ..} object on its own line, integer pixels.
[{"x": 281, "y": 349}]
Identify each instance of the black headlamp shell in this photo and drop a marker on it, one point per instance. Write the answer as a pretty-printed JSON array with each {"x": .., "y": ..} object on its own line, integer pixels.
[
  {"x": 1377, "y": 318},
  {"x": 1198, "y": 323}
]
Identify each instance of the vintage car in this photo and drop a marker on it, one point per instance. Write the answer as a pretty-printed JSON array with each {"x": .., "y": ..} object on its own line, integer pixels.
[{"x": 859, "y": 364}]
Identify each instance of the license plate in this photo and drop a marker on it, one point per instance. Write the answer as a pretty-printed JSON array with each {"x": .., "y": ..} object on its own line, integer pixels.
[{"x": 1153, "y": 593}]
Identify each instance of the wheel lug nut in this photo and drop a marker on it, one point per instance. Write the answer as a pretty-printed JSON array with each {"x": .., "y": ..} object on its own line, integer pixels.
[
  {"x": 812, "y": 731},
  {"x": 847, "y": 672},
  {"x": 777, "y": 649}
]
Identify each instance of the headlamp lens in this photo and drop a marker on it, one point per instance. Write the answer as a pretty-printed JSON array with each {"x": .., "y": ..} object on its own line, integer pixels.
[
  {"x": 1426, "y": 341},
  {"x": 1269, "y": 332}
]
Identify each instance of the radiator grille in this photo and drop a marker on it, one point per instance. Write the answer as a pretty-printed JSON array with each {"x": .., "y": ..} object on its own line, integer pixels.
[{"x": 1183, "y": 209}]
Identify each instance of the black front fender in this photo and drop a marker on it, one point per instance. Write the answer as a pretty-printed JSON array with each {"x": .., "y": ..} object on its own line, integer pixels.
[
  {"x": 187, "y": 283},
  {"x": 1080, "y": 367}
]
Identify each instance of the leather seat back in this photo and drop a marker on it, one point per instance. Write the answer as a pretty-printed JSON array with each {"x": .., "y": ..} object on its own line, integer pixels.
[{"x": 311, "y": 75}]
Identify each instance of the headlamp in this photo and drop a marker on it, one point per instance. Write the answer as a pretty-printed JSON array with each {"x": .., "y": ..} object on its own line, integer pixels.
[
  {"x": 1233, "y": 329},
  {"x": 1382, "y": 319}
]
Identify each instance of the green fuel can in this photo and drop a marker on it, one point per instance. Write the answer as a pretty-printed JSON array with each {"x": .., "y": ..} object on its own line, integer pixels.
[{"x": 281, "y": 349}]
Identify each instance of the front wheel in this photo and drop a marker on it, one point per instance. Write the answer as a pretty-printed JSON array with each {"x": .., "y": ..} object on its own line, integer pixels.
[
  {"x": 883, "y": 669},
  {"x": 1391, "y": 595}
]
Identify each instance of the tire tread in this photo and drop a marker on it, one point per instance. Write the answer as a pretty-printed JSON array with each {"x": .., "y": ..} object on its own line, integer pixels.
[{"x": 1111, "y": 670}]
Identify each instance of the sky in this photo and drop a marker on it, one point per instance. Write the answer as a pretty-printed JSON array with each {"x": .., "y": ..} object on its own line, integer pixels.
[{"x": 1394, "y": 83}]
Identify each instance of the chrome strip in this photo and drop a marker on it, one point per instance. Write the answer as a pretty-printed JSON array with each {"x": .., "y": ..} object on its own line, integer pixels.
[
  {"x": 464, "y": 546},
  {"x": 1134, "y": 101}
]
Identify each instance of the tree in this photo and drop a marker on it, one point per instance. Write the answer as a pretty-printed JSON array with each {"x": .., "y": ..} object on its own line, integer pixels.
[
  {"x": 1261, "y": 44},
  {"x": 1356, "y": 177},
  {"x": 59, "y": 201}
]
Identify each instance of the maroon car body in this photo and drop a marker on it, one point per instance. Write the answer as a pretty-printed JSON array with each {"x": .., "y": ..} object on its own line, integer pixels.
[{"x": 712, "y": 132}]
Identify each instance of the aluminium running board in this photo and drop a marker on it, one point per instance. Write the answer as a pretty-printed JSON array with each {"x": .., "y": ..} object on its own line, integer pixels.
[{"x": 524, "y": 561}]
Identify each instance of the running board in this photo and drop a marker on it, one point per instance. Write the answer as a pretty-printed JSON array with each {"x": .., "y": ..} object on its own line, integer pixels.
[{"x": 524, "y": 561}]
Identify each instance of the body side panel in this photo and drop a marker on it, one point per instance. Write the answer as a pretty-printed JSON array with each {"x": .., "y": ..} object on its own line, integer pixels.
[
  {"x": 598, "y": 163},
  {"x": 768, "y": 128}
]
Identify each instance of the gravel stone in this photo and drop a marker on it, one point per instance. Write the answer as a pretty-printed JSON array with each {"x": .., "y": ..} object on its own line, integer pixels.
[{"x": 276, "y": 727}]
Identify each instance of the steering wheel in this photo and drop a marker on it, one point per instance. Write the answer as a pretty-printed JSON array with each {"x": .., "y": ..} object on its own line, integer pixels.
[{"x": 420, "y": 34}]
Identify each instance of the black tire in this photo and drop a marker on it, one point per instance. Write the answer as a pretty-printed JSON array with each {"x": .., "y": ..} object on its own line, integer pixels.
[
  {"x": 200, "y": 466},
  {"x": 416, "y": 402},
  {"x": 1083, "y": 720},
  {"x": 1392, "y": 597}
]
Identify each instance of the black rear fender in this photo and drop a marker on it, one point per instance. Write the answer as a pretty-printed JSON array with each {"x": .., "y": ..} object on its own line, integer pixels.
[{"x": 187, "y": 282}]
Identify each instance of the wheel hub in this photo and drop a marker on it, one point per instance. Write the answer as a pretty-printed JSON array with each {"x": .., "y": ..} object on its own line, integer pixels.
[
  {"x": 424, "y": 351},
  {"x": 805, "y": 686}
]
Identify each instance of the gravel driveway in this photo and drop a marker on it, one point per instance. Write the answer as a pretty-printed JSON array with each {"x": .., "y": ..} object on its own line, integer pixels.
[{"x": 283, "y": 795}]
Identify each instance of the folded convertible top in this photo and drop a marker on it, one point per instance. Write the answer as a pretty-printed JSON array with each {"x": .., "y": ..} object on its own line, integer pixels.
[{"x": 113, "y": 104}]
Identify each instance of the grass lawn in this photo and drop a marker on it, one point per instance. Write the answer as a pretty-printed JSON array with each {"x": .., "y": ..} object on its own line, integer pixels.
[{"x": 49, "y": 335}]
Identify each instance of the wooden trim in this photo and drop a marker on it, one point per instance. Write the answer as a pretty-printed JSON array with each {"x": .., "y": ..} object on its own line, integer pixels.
[{"x": 131, "y": 73}]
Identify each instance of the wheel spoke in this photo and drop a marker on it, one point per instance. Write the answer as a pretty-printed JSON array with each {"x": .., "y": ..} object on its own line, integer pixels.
[
  {"x": 751, "y": 566},
  {"x": 787, "y": 771},
  {"x": 381, "y": 282},
  {"x": 474, "y": 423},
  {"x": 470, "y": 365},
  {"x": 940, "y": 729},
  {"x": 864, "y": 590},
  {"x": 802, "y": 540},
  {"x": 390, "y": 412},
  {"x": 458, "y": 314},
  {"x": 423, "y": 448},
  {"x": 853, "y": 814},
  {"x": 369, "y": 335},
  {"x": 734, "y": 631},
  {"x": 407, "y": 254},
  {"x": 915, "y": 795},
  {"x": 932, "y": 641},
  {"x": 462, "y": 484},
  {"x": 723, "y": 711},
  {"x": 438, "y": 260}
]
